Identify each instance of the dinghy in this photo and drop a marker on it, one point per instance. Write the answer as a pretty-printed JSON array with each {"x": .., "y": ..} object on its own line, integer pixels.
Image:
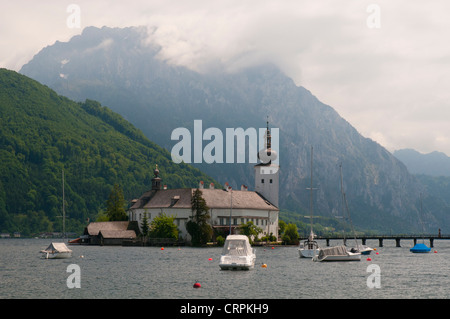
[{"x": 420, "y": 248}]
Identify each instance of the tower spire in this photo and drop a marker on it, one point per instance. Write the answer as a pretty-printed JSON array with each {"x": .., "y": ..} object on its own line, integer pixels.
[
  {"x": 156, "y": 181},
  {"x": 266, "y": 155},
  {"x": 268, "y": 137}
]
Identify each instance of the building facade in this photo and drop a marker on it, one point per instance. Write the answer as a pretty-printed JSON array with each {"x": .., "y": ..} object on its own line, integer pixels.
[{"x": 228, "y": 208}]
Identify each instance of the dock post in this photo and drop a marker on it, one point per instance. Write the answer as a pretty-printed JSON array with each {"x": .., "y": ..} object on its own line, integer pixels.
[
  {"x": 431, "y": 242},
  {"x": 380, "y": 242},
  {"x": 328, "y": 242},
  {"x": 415, "y": 241},
  {"x": 363, "y": 241},
  {"x": 397, "y": 242}
]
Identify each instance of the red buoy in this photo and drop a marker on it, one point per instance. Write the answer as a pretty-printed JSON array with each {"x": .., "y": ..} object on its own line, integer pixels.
[
  {"x": 197, "y": 285},
  {"x": 209, "y": 259},
  {"x": 369, "y": 259},
  {"x": 162, "y": 248}
]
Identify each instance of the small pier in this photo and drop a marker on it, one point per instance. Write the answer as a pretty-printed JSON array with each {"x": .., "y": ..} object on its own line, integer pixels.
[{"x": 381, "y": 238}]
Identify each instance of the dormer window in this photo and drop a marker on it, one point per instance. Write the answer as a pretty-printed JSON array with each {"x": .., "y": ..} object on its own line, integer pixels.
[{"x": 174, "y": 200}]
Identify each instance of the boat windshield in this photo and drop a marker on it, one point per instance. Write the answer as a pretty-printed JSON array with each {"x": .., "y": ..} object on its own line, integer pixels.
[{"x": 235, "y": 248}]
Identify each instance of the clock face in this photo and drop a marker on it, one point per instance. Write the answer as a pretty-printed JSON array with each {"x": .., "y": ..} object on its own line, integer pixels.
[
  {"x": 267, "y": 156},
  {"x": 268, "y": 170}
]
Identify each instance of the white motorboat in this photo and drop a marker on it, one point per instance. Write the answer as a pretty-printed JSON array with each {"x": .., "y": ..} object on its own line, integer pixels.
[
  {"x": 337, "y": 253},
  {"x": 56, "y": 251},
  {"x": 237, "y": 254}
]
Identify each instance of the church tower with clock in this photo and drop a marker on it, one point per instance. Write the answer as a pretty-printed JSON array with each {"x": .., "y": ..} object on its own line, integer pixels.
[{"x": 267, "y": 172}]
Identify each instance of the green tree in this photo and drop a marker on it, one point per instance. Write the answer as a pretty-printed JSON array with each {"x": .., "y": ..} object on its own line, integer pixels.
[
  {"x": 250, "y": 230},
  {"x": 102, "y": 217},
  {"x": 281, "y": 227},
  {"x": 220, "y": 241},
  {"x": 163, "y": 226},
  {"x": 145, "y": 226},
  {"x": 115, "y": 205},
  {"x": 198, "y": 226},
  {"x": 290, "y": 235}
]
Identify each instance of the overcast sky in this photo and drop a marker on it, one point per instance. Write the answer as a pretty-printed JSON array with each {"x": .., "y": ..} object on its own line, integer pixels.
[{"x": 383, "y": 65}]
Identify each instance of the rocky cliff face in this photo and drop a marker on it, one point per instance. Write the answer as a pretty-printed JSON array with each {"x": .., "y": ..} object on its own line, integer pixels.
[{"x": 120, "y": 68}]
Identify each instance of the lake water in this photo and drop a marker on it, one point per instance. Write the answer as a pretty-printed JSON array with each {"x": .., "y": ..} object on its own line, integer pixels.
[{"x": 149, "y": 272}]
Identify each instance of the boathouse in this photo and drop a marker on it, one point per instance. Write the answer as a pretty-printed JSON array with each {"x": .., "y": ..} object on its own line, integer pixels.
[{"x": 110, "y": 233}]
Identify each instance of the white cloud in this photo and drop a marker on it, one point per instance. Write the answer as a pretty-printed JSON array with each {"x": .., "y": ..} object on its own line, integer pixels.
[
  {"x": 389, "y": 82},
  {"x": 105, "y": 44}
]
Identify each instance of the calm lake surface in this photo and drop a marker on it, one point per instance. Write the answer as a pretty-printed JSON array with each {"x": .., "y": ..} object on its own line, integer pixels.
[{"x": 149, "y": 272}]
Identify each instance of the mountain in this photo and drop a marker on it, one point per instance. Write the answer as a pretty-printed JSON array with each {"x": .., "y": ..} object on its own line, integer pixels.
[
  {"x": 432, "y": 170},
  {"x": 124, "y": 69},
  {"x": 433, "y": 164},
  {"x": 42, "y": 133}
]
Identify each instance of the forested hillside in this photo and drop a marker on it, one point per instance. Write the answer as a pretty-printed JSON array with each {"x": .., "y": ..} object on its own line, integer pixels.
[{"x": 42, "y": 133}]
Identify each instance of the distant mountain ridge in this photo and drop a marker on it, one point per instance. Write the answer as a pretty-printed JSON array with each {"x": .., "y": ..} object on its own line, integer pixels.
[
  {"x": 114, "y": 66},
  {"x": 433, "y": 164}
]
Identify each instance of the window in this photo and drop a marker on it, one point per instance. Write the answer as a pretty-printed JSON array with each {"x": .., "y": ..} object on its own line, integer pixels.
[
  {"x": 262, "y": 181},
  {"x": 270, "y": 181}
]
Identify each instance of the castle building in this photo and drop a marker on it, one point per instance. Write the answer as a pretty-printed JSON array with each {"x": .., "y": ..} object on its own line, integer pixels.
[{"x": 228, "y": 208}]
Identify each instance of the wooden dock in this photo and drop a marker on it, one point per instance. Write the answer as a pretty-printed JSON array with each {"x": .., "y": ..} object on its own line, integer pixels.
[{"x": 381, "y": 238}]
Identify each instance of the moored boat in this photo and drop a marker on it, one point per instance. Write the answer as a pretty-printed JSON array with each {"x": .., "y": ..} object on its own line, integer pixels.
[
  {"x": 337, "y": 253},
  {"x": 237, "y": 254},
  {"x": 56, "y": 251},
  {"x": 309, "y": 247},
  {"x": 364, "y": 250},
  {"x": 420, "y": 248}
]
